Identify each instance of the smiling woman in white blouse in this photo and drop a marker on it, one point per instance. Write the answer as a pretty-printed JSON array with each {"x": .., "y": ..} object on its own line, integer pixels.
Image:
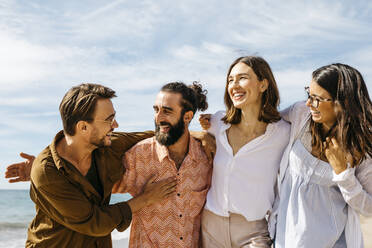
[
  {"x": 326, "y": 171},
  {"x": 250, "y": 139}
]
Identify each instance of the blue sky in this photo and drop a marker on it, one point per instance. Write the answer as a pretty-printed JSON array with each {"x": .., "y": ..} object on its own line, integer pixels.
[{"x": 134, "y": 47}]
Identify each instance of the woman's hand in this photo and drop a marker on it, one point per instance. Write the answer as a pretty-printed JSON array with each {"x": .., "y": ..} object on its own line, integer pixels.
[
  {"x": 204, "y": 121},
  {"x": 336, "y": 155}
]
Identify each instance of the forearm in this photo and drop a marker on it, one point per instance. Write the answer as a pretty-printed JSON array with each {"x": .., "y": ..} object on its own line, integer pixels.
[
  {"x": 356, "y": 194},
  {"x": 78, "y": 213}
]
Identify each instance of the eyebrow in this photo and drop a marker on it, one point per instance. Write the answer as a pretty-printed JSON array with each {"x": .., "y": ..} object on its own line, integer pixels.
[
  {"x": 240, "y": 74},
  {"x": 164, "y": 107},
  {"x": 322, "y": 98},
  {"x": 111, "y": 116}
]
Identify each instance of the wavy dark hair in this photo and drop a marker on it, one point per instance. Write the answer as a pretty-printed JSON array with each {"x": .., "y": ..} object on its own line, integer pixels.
[
  {"x": 353, "y": 108},
  {"x": 270, "y": 98}
]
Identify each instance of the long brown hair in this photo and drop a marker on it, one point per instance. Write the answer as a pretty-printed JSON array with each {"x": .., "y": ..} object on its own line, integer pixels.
[
  {"x": 353, "y": 107},
  {"x": 270, "y": 97}
]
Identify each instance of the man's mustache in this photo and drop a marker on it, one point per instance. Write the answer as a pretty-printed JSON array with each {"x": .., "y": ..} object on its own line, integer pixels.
[{"x": 164, "y": 123}]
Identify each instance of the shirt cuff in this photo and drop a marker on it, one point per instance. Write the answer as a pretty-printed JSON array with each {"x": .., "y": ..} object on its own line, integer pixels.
[
  {"x": 126, "y": 216},
  {"x": 348, "y": 183}
]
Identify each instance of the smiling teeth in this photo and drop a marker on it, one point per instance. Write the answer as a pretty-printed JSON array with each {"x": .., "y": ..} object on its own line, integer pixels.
[{"x": 238, "y": 94}]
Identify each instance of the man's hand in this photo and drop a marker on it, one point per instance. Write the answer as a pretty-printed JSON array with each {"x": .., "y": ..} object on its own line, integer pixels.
[
  {"x": 153, "y": 192},
  {"x": 20, "y": 172},
  {"x": 157, "y": 191},
  {"x": 207, "y": 141}
]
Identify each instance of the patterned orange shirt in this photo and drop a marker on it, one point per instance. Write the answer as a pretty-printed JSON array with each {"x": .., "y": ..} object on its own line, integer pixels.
[{"x": 175, "y": 221}]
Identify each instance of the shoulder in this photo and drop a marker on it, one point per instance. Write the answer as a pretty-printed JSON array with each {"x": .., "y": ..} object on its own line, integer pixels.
[
  {"x": 216, "y": 122},
  {"x": 197, "y": 151},
  {"x": 281, "y": 131},
  {"x": 145, "y": 145},
  {"x": 44, "y": 171},
  {"x": 299, "y": 111},
  {"x": 122, "y": 141},
  {"x": 365, "y": 168},
  {"x": 216, "y": 117},
  {"x": 282, "y": 125}
]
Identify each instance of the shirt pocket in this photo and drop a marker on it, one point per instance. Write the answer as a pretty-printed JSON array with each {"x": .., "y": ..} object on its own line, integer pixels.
[{"x": 197, "y": 202}]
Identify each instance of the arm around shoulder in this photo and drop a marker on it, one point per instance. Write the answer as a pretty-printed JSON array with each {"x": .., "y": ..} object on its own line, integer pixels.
[{"x": 68, "y": 205}]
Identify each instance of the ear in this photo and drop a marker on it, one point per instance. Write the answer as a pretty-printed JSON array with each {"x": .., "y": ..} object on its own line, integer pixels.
[
  {"x": 264, "y": 85},
  {"x": 187, "y": 117},
  {"x": 81, "y": 127}
]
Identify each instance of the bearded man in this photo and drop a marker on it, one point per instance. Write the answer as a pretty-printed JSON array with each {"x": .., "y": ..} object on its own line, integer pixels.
[{"x": 174, "y": 221}]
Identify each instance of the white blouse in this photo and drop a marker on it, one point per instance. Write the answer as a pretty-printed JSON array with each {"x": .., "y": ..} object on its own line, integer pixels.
[
  {"x": 244, "y": 183},
  {"x": 355, "y": 184}
]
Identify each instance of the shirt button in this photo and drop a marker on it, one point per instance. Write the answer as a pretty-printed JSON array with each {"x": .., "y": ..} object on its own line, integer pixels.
[
  {"x": 178, "y": 194},
  {"x": 180, "y": 215},
  {"x": 181, "y": 238},
  {"x": 178, "y": 174}
]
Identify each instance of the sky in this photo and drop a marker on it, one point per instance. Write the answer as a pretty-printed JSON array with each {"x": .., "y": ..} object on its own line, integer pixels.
[{"x": 135, "y": 47}]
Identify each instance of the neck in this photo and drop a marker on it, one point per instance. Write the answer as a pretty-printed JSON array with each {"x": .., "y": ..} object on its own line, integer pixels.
[
  {"x": 181, "y": 147},
  {"x": 326, "y": 127},
  {"x": 178, "y": 150},
  {"x": 249, "y": 120},
  {"x": 76, "y": 151}
]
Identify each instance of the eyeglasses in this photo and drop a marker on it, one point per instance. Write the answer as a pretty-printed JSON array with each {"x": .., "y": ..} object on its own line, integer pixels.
[
  {"x": 111, "y": 122},
  {"x": 314, "y": 101}
]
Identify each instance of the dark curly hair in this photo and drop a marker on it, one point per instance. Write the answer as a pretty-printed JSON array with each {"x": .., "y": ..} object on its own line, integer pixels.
[{"x": 194, "y": 98}]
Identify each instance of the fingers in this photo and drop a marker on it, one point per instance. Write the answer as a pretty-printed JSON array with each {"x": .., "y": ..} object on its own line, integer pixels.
[
  {"x": 27, "y": 156},
  {"x": 15, "y": 180},
  {"x": 168, "y": 189},
  {"x": 151, "y": 180},
  {"x": 15, "y": 166},
  {"x": 204, "y": 121},
  {"x": 13, "y": 170},
  {"x": 205, "y": 117},
  {"x": 331, "y": 143}
]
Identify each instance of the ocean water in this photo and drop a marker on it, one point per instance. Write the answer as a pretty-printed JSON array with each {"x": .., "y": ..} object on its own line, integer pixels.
[{"x": 16, "y": 212}]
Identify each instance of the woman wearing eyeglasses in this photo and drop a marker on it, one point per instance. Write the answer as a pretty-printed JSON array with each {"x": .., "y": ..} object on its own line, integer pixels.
[{"x": 326, "y": 172}]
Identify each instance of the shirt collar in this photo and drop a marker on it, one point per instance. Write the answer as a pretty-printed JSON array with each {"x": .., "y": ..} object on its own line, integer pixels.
[
  {"x": 56, "y": 158},
  {"x": 194, "y": 150}
]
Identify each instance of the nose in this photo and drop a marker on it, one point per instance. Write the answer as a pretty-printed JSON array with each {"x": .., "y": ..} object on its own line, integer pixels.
[
  {"x": 115, "y": 124},
  {"x": 158, "y": 116},
  {"x": 235, "y": 81}
]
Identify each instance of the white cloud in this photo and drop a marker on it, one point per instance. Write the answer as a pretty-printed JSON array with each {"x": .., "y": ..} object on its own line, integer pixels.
[{"x": 135, "y": 47}]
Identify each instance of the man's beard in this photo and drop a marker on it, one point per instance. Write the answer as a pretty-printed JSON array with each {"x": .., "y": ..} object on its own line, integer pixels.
[
  {"x": 98, "y": 142},
  {"x": 173, "y": 135}
]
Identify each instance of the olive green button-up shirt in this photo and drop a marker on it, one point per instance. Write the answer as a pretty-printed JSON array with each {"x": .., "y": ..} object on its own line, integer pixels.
[{"x": 69, "y": 211}]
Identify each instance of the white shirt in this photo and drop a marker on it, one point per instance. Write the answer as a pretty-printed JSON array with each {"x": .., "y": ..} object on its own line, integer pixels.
[{"x": 245, "y": 183}]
